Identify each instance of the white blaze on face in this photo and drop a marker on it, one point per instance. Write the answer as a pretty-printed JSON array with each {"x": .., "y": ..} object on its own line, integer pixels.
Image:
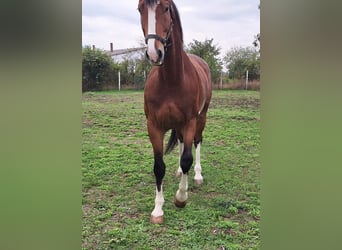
[{"x": 151, "y": 50}]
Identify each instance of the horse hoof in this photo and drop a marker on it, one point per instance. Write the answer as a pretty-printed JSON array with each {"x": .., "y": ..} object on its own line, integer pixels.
[
  {"x": 178, "y": 203},
  {"x": 199, "y": 182},
  {"x": 157, "y": 220},
  {"x": 178, "y": 174}
]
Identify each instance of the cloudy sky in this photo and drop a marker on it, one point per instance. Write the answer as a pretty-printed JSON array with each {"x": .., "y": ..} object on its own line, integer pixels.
[{"x": 230, "y": 22}]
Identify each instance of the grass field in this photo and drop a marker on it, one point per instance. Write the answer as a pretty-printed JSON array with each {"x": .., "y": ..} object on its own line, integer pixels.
[{"x": 119, "y": 185}]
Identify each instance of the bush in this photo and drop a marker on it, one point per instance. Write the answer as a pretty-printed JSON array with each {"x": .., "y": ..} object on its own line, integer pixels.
[
  {"x": 97, "y": 69},
  {"x": 210, "y": 53},
  {"x": 238, "y": 60}
]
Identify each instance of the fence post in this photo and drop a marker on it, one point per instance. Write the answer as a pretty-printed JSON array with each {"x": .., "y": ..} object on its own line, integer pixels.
[
  {"x": 221, "y": 87},
  {"x": 119, "y": 76},
  {"x": 246, "y": 79}
]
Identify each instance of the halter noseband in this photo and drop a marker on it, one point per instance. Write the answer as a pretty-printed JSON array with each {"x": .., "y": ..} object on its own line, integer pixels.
[{"x": 164, "y": 41}]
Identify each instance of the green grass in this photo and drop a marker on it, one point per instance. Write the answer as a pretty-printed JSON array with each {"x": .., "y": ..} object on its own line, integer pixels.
[{"x": 119, "y": 185}]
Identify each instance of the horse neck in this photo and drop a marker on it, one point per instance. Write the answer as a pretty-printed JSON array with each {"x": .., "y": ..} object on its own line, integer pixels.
[{"x": 173, "y": 68}]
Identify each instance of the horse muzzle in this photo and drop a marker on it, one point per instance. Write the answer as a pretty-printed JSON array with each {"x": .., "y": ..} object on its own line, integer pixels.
[{"x": 155, "y": 56}]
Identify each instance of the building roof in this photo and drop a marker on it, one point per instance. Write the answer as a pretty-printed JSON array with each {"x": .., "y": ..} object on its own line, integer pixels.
[{"x": 124, "y": 51}]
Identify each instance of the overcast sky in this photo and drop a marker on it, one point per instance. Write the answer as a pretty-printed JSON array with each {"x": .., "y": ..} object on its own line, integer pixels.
[{"x": 230, "y": 22}]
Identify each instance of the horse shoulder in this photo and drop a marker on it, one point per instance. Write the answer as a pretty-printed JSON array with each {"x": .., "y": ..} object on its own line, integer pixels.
[{"x": 204, "y": 83}]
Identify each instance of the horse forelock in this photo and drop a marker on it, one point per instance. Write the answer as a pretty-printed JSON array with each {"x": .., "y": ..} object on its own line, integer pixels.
[{"x": 151, "y": 2}]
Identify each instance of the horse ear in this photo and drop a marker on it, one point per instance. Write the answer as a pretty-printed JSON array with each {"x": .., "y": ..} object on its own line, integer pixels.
[{"x": 173, "y": 10}]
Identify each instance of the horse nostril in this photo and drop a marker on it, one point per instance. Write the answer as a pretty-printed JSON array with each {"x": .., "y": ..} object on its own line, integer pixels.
[
  {"x": 160, "y": 54},
  {"x": 155, "y": 56}
]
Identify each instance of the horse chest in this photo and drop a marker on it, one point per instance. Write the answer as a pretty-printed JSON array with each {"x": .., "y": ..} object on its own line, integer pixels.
[{"x": 169, "y": 114}]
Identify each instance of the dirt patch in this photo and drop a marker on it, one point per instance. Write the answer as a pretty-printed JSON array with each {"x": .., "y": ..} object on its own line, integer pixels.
[
  {"x": 242, "y": 102},
  {"x": 243, "y": 118},
  {"x": 87, "y": 122}
]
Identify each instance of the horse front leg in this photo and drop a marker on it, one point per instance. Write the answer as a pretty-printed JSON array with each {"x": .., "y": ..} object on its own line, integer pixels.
[
  {"x": 197, "y": 142},
  {"x": 186, "y": 161},
  {"x": 157, "y": 215},
  {"x": 156, "y": 138}
]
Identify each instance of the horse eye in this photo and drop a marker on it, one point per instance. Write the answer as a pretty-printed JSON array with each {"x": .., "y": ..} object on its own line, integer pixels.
[{"x": 166, "y": 9}]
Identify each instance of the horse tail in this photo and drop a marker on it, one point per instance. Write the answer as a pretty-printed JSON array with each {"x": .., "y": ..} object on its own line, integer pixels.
[{"x": 172, "y": 142}]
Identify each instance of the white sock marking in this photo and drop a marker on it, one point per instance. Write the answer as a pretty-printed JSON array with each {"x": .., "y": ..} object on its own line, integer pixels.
[
  {"x": 198, "y": 169},
  {"x": 159, "y": 202},
  {"x": 182, "y": 192}
]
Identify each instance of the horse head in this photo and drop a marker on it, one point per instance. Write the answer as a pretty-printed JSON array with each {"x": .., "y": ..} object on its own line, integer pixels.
[{"x": 156, "y": 23}]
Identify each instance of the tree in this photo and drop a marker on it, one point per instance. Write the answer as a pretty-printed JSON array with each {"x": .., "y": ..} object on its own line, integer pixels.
[
  {"x": 97, "y": 68},
  {"x": 134, "y": 69},
  {"x": 256, "y": 41},
  {"x": 143, "y": 67},
  {"x": 239, "y": 60},
  {"x": 126, "y": 67},
  {"x": 142, "y": 70},
  {"x": 210, "y": 53}
]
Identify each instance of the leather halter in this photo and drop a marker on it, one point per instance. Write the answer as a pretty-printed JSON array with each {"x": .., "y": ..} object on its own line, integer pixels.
[{"x": 164, "y": 41}]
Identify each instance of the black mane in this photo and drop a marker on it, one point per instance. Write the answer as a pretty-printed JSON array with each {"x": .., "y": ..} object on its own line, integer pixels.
[{"x": 176, "y": 19}]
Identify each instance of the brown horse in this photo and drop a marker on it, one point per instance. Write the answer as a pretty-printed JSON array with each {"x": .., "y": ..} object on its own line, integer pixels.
[{"x": 177, "y": 96}]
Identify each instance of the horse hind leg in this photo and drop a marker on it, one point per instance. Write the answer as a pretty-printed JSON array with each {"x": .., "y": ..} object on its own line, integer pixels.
[
  {"x": 181, "y": 148},
  {"x": 198, "y": 169},
  {"x": 198, "y": 178}
]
